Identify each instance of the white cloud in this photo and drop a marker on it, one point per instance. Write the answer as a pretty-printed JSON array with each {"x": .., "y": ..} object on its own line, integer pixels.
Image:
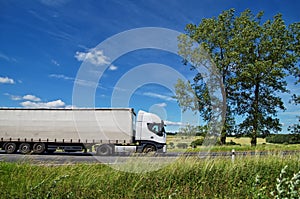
[
  {"x": 170, "y": 123},
  {"x": 80, "y": 82},
  {"x": 159, "y": 96},
  {"x": 60, "y": 76},
  {"x": 31, "y": 98},
  {"x": 25, "y": 97},
  {"x": 31, "y": 101},
  {"x": 87, "y": 83},
  {"x": 55, "y": 62},
  {"x": 94, "y": 56},
  {"x": 161, "y": 105},
  {"x": 6, "y": 80},
  {"x": 51, "y": 104},
  {"x": 13, "y": 97},
  {"x": 112, "y": 67},
  {"x": 7, "y": 58}
]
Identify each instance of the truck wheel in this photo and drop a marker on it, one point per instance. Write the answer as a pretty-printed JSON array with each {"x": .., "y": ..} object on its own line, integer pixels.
[
  {"x": 39, "y": 148},
  {"x": 10, "y": 148},
  {"x": 149, "y": 148},
  {"x": 24, "y": 148},
  {"x": 104, "y": 150}
]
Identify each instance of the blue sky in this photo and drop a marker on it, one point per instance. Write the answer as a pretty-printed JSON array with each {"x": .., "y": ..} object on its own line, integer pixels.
[{"x": 44, "y": 43}]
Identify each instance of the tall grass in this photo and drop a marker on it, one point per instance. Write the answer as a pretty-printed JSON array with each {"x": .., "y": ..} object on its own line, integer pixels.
[{"x": 247, "y": 177}]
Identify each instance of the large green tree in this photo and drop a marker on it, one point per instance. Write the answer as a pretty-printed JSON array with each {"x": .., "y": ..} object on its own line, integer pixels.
[
  {"x": 295, "y": 28},
  {"x": 252, "y": 58},
  {"x": 267, "y": 56},
  {"x": 214, "y": 42}
]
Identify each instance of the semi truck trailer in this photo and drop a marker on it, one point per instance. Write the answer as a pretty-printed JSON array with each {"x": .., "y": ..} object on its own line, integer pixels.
[{"x": 106, "y": 131}]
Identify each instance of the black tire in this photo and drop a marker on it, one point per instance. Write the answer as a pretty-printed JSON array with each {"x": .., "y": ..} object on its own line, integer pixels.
[
  {"x": 149, "y": 148},
  {"x": 25, "y": 148},
  {"x": 10, "y": 148},
  {"x": 39, "y": 148},
  {"x": 104, "y": 150}
]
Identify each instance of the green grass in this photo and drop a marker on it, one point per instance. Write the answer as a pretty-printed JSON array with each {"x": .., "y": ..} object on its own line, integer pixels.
[{"x": 186, "y": 178}]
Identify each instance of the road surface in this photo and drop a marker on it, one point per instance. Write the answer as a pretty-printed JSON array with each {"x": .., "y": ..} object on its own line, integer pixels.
[{"x": 61, "y": 158}]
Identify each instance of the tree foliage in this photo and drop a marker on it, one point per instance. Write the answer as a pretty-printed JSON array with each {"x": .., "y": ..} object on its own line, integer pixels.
[{"x": 253, "y": 58}]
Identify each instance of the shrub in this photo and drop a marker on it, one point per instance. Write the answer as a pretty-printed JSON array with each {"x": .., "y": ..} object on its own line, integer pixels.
[
  {"x": 171, "y": 145},
  {"x": 200, "y": 134},
  {"x": 197, "y": 142},
  {"x": 283, "y": 139}
]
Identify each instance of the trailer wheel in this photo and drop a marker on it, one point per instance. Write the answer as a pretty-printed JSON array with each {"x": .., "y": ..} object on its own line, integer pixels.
[
  {"x": 149, "y": 148},
  {"x": 10, "y": 148},
  {"x": 25, "y": 148},
  {"x": 104, "y": 150},
  {"x": 39, "y": 148}
]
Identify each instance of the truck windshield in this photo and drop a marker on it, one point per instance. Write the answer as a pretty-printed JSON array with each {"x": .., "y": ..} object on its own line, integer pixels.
[{"x": 157, "y": 128}]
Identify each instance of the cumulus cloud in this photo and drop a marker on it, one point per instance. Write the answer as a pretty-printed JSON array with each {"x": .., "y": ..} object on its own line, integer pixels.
[
  {"x": 94, "y": 56},
  {"x": 159, "y": 96},
  {"x": 6, "y": 80},
  {"x": 13, "y": 97},
  {"x": 25, "y": 97},
  {"x": 31, "y": 98},
  {"x": 51, "y": 104},
  {"x": 112, "y": 67},
  {"x": 32, "y": 101}
]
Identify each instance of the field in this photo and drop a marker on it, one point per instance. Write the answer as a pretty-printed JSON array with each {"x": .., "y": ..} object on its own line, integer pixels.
[
  {"x": 249, "y": 177},
  {"x": 243, "y": 144}
]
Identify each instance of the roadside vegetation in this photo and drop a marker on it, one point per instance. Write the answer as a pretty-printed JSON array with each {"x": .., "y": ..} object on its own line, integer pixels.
[
  {"x": 249, "y": 177},
  {"x": 182, "y": 143}
]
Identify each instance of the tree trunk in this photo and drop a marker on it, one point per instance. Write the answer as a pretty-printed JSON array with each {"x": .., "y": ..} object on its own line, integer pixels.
[
  {"x": 255, "y": 115},
  {"x": 253, "y": 138},
  {"x": 223, "y": 136}
]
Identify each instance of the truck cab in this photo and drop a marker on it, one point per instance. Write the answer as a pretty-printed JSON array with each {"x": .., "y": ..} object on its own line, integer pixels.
[{"x": 150, "y": 132}]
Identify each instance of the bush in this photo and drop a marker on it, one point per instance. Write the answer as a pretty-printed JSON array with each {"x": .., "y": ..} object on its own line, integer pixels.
[
  {"x": 171, "y": 145},
  {"x": 182, "y": 145},
  {"x": 283, "y": 139},
  {"x": 200, "y": 134},
  {"x": 197, "y": 142}
]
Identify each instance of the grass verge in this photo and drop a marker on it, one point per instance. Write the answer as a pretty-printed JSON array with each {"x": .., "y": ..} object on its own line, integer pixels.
[{"x": 247, "y": 177}]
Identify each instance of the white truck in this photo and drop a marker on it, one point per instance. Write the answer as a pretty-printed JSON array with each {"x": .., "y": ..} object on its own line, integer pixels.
[{"x": 106, "y": 131}]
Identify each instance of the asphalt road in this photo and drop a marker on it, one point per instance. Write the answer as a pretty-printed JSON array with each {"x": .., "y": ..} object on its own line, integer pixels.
[{"x": 61, "y": 158}]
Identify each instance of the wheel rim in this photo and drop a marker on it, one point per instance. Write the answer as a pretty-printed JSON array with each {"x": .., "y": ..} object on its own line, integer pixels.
[
  {"x": 149, "y": 149},
  {"x": 104, "y": 150},
  {"x": 24, "y": 148},
  {"x": 39, "y": 147},
  {"x": 10, "y": 148}
]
